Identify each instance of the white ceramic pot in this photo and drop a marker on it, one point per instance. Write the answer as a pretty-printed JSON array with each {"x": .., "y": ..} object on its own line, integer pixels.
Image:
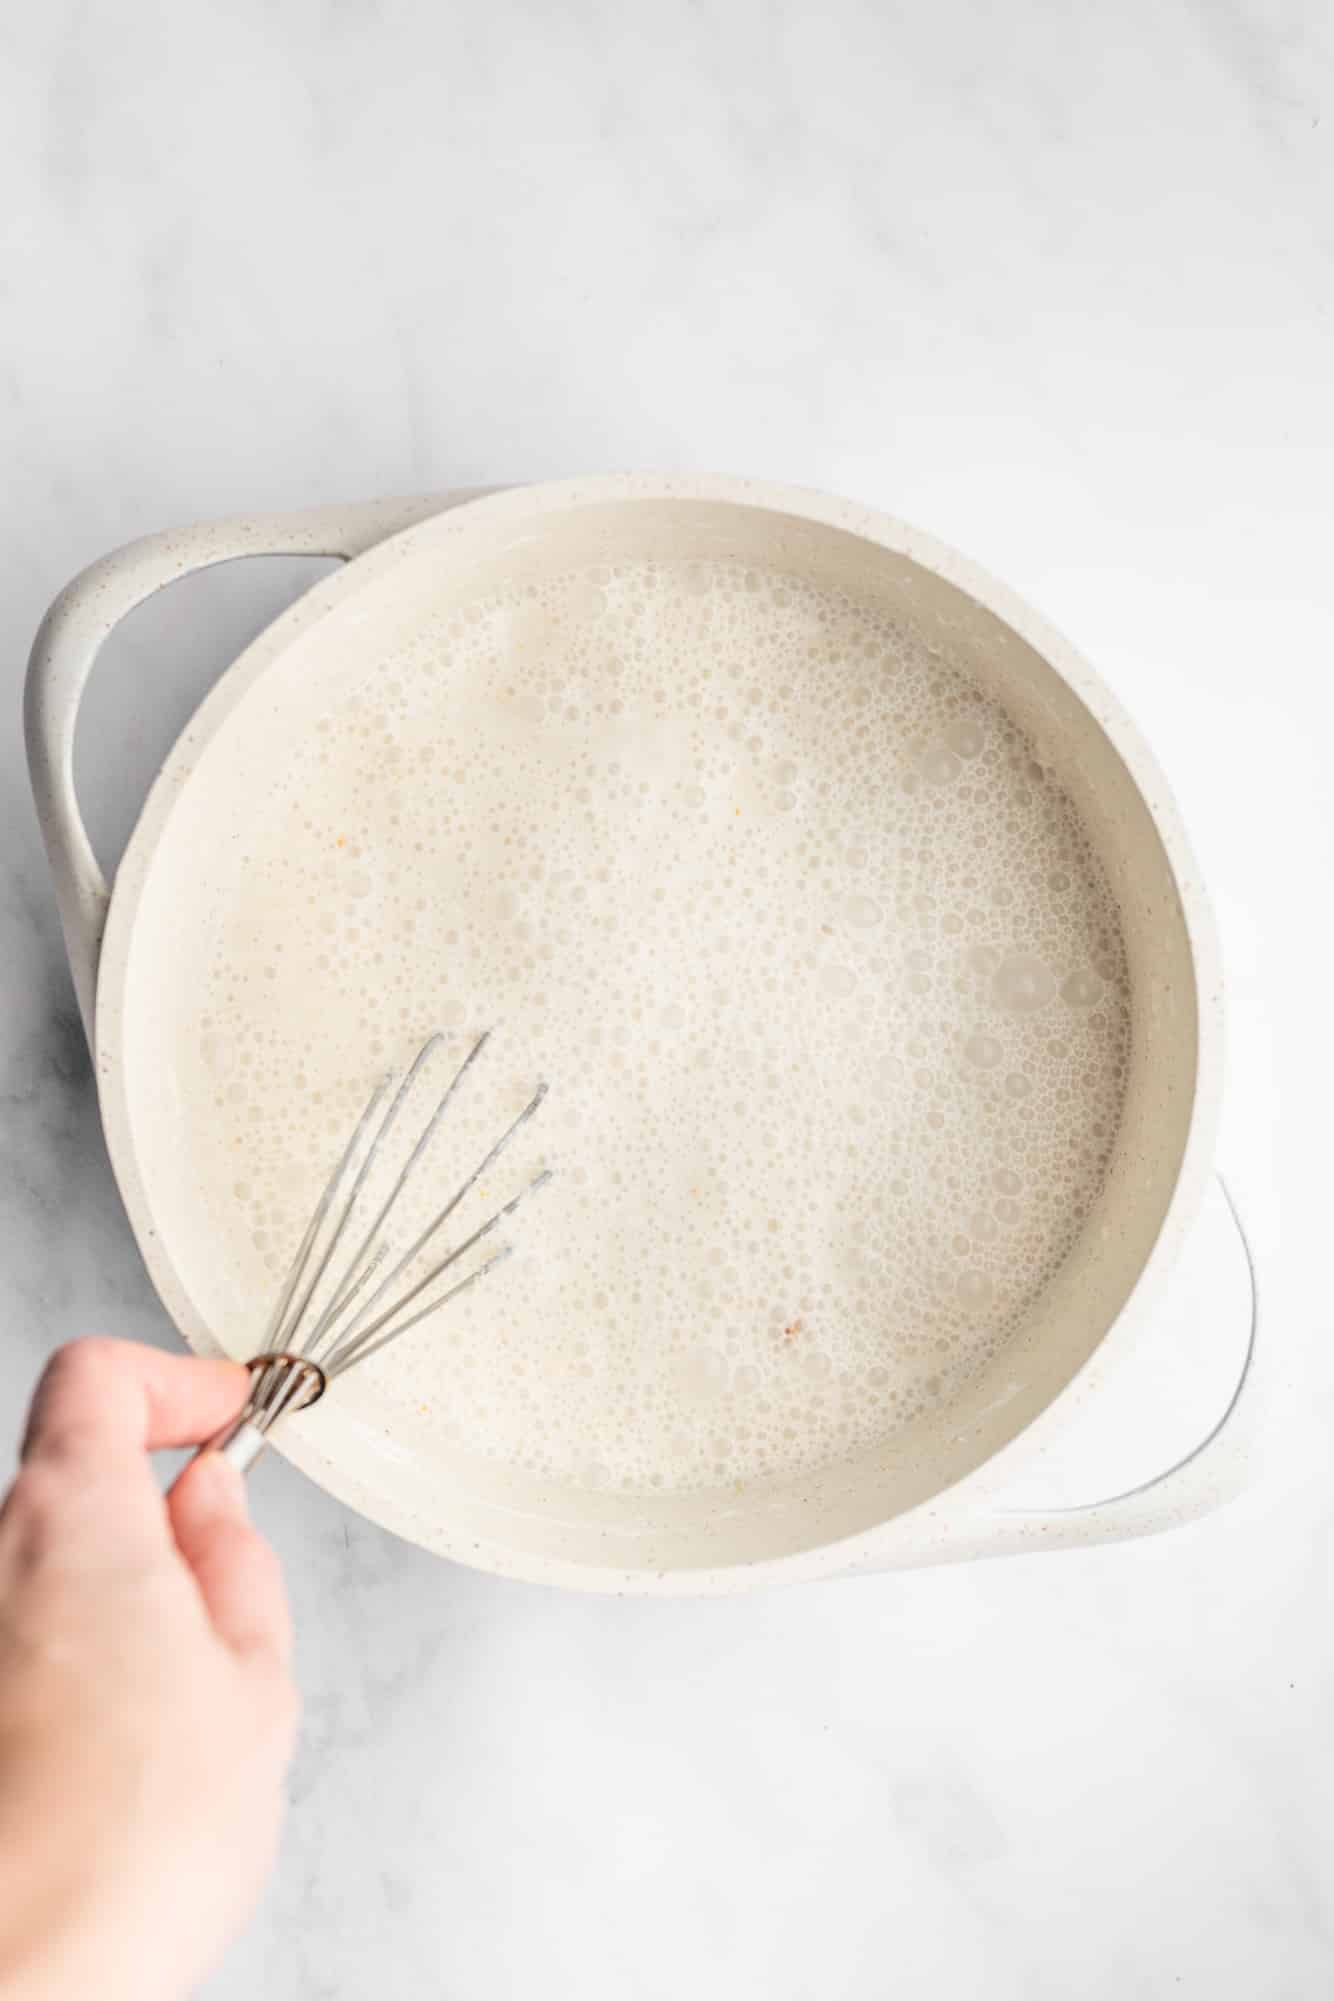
[{"x": 136, "y": 951}]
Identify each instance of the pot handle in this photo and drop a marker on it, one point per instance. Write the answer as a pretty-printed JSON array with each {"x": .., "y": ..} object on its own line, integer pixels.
[
  {"x": 1212, "y": 1473},
  {"x": 72, "y": 633}
]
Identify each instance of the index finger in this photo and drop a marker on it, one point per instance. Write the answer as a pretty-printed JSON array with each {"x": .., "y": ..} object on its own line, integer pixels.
[{"x": 102, "y": 1403}]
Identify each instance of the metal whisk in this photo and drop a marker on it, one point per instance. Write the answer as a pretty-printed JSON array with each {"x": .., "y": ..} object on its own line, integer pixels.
[{"x": 350, "y": 1291}]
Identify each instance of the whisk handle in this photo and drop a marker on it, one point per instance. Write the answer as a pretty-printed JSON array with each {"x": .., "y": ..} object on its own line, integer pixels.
[
  {"x": 279, "y": 1385},
  {"x": 240, "y": 1444}
]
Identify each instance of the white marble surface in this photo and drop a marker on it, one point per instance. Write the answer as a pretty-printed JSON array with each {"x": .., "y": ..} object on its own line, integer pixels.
[{"x": 1056, "y": 284}]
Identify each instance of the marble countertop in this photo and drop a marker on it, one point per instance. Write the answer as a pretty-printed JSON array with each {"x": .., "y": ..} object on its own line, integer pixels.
[{"x": 1060, "y": 288}]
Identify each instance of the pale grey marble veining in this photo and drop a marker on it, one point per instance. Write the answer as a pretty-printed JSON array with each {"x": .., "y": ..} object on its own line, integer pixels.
[{"x": 1059, "y": 286}]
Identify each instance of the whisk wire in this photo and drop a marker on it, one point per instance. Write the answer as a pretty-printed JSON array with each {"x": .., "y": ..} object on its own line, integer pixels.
[
  {"x": 355, "y": 1338},
  {"x": 278, "y": 1327},
  {"x": 364, "y": 1311},
  {"x": 288, "y": 1338},
  {"x": 367, "y": 1307},
  {"x": 334, "y": 1367},
  {"x": 355, "y": 1276},
  {"x": 442, "y": 1216}
]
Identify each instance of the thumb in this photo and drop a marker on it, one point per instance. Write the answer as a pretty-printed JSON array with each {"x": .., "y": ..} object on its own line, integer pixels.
[{"x": 238, "y": 1574}]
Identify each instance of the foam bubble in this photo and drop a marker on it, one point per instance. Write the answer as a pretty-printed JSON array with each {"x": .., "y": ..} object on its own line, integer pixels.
[
  {"x": 1022, "y": 983},
  {"x": 1081, "y": 989}
]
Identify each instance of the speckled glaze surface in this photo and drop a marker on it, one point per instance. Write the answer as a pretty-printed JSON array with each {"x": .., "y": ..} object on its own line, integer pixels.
[{"x": 948, "y": 1503}]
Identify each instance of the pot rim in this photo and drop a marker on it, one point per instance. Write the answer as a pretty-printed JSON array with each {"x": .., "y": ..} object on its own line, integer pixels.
[{"x": 919, "y": 1534}]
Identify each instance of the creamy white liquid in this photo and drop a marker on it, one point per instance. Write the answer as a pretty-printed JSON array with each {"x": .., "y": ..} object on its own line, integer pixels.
[{"x": 825, "y": 979}]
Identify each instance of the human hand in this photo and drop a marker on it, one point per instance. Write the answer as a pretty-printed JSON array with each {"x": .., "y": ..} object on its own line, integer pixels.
[{"x": 147, "y": 1713}]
